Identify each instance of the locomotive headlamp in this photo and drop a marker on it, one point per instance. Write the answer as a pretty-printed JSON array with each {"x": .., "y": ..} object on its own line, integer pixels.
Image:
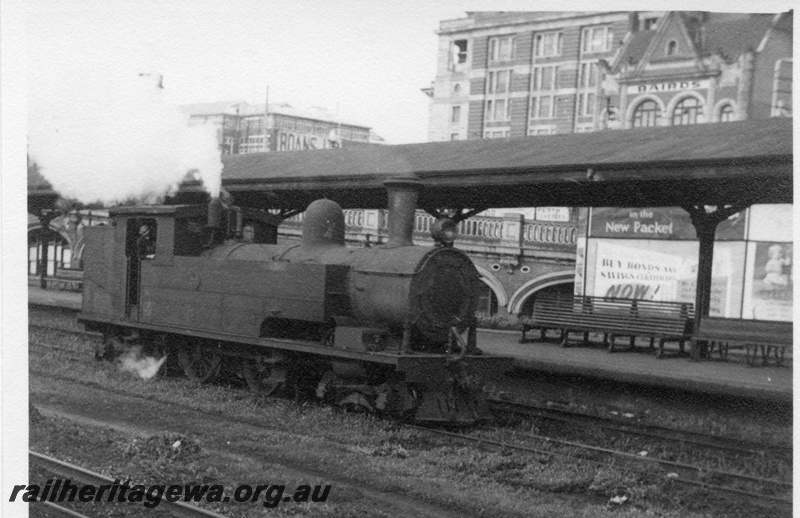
[{"x": 444, "y": 231}]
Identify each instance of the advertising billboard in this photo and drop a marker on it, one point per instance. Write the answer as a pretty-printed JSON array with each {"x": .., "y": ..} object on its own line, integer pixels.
[
  {"x": 296, "y": 141},
  {"x": 769, "y": 287}
]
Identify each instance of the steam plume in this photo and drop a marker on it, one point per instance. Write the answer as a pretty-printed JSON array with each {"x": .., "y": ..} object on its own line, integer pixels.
[
  {"x": 144, "y": 366},
  {"x": 115, "y": 137}
]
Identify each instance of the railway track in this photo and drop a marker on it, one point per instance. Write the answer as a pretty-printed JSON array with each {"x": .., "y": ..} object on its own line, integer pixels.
[
  {"x": 62, "y": 329},
  {"x": 737, "y": 485},
  {"x": 680, "y": 473},
  {"x": 85, "y": 476},
  {"x": 663, "y": 433},
  {"x": 687, "y": 437}
]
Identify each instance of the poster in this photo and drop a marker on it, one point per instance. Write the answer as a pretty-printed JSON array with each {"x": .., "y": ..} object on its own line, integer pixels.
[
  {"x": 770, "y": 290},
  {"x": 635, "y": 273}
]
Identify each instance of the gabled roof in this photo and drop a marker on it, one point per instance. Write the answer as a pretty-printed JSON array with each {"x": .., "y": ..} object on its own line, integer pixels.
[
  {"x": 732, "y": 38},
  {"x": 673, "y": 22},
  {"x": 634, "y": 49},
  {"x": 729, "y": 34}
]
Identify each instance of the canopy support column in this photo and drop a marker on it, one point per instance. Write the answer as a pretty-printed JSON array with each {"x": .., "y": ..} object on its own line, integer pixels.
[{"x": 705, "y": 219}]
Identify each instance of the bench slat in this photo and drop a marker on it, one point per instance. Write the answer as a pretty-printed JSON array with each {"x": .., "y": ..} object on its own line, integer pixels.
[{"x": 667, "y": 321}]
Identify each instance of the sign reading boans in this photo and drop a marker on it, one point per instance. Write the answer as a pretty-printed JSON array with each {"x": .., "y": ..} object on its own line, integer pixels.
[{"x": 294, "y": 141}]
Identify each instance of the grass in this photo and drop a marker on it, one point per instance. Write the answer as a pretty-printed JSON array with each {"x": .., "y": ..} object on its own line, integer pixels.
[{"x": 368, "y": 452}]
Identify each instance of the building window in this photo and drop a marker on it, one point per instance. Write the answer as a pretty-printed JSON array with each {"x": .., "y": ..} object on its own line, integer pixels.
[
  {"x": 544, "y": 78},
  {"x": 455, "y": 114},
  {"x": 726, "y": 113},
  {"x": 456, "y": 88},
  {"x": 459, "y": 52},
  {"x": 650, "y": 24},
  {"x": 597, "y": 39},
  {"x": 497, "y": 110},
  {"x": 496, "y": 133},
  {"x": 586, "y": 104},
  {"x": 499, "y": 82},
  {"x": 542, "y": 107},
  {"x": 782, "y": 89},
  {"x": 454, "y": 136},
  {"x": 541, "y": 130},
  {"x": 672, "y": 48},
  {"x": 501, "y": 49},
  {"x": 548, "y": 44},
  {"x": 688, "y": 111},
  {"x": 588, "y": 75},
  {"x": 587, "y": 84},
  {"x": 646, "y": 114}
]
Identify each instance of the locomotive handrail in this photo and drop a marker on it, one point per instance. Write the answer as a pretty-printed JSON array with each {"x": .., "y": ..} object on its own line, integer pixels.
[{"x": 454, "y": 335}]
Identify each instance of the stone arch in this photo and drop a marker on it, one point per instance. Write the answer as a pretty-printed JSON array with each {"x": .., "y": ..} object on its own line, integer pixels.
[
  {"x": 496, "y": 286},
  {"x": 74, "y": 240},
  {"x": 632, "y": 105},
  {"x": 534, "y": 285}
]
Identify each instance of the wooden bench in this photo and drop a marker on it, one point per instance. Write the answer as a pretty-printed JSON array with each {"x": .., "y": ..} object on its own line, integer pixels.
[
  {"x": 614, "y": 318},
  {"x": 754, "y": 336},
  {"x": 66, "y": 279}
]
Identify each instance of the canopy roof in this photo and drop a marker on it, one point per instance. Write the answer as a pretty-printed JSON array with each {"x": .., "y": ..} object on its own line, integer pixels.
[{"x": 705, "y": 164}]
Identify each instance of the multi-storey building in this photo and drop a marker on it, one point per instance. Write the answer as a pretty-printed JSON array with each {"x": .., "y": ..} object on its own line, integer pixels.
[
  {"x": 503, "y": 74},
  {"x": 248, "y": 128},
  {"x": 518, "y": 74}
]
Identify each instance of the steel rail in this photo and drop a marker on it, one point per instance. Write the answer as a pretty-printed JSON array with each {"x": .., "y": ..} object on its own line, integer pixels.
[
  {"x": 694, "y": 470},
  {"x": 43, "y": 327},
  {"x": 61, "y": 509},
  {"x": 646, "y": 429},
  {"x": 686, "y": 468},
  {"x": 86, "y": 476}
]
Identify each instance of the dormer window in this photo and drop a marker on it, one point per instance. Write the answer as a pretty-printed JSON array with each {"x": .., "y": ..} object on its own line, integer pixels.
[
  {"x": 672, "y": 48},
  {"x": 650, "y": 24}
]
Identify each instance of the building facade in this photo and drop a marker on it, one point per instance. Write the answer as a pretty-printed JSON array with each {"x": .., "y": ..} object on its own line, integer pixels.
[
  {"x": 249, "y": 128},
  {"x": 522, "y": 74},
  {"x": 515, "y": 74}
]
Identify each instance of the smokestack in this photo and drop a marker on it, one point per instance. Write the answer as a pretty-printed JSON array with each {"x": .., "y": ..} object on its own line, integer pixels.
[
  {"x": 402, "y": 194},
  {"x": 215, "y": 214}
]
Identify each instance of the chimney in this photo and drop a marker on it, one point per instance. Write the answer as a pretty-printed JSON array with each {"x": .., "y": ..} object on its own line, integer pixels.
[
  {"x": 402, "y": 196},
  {"x": 633, "y": 22},
  {"x": 215, "y": 214}
]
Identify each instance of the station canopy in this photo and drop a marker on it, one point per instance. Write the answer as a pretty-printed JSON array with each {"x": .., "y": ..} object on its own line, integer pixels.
[{"x": 742, "y": 162}]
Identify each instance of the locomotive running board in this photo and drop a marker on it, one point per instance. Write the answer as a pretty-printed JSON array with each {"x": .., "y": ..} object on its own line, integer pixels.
[{"x": 420, "y": 363}]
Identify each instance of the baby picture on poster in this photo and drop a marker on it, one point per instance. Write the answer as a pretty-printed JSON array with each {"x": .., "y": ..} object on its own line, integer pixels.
[{"x": 772, "y": 281}]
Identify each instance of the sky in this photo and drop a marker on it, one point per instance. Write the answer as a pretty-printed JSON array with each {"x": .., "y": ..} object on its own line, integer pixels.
[{"x": 367, "y": 60}]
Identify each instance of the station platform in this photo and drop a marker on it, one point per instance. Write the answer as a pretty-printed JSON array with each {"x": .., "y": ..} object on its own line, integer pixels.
[{"x": 728, "y": 378}]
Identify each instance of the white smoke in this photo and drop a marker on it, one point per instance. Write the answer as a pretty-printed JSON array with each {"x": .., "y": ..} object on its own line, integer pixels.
[
  {"x": 144, "y": 366},
  {"x": 113, "y": 136}
]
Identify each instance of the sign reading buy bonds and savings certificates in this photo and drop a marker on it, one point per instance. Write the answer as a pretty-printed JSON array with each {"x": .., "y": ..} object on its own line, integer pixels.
[{"x": 652, "y": 254}]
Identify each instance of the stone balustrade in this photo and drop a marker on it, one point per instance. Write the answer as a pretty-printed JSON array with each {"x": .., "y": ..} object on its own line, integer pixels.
[{"x": 510, "y": 234}]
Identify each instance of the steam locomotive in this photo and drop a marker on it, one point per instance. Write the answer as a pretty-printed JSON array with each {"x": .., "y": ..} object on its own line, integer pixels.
[{"x": 389, "y": 329}]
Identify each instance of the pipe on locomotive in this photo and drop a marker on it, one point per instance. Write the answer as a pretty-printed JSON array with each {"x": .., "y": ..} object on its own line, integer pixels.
[{"x": 402, "y": 202}]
